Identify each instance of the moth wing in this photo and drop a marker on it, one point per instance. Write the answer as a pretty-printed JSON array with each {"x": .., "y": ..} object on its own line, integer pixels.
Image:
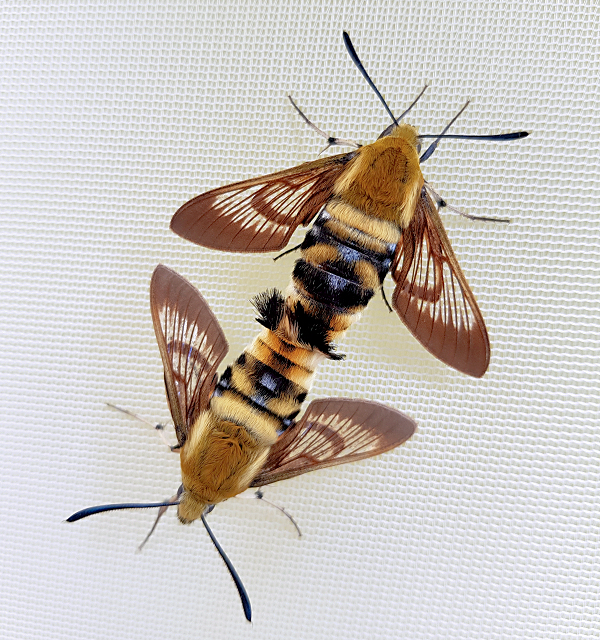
[
  {"x": 191, "y": 344},
  {"x": 335, "y": 431},
  {"x": 432, "y": 296},
  {"x": 261, "y": 214}
]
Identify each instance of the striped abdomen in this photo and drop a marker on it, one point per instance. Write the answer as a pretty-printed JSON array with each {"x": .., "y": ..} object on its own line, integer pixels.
[
  {"x": 255, "y": 400},
  {"x": 345, "y": 258},
  {"x": 265, "y": 387}
]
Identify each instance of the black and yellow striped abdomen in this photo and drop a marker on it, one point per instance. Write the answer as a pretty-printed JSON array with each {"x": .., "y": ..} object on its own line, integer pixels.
[
  {"x": 345, "y": 258},
  {"x": 255, "y": 400},
  {"x": 265, "y": 388}
]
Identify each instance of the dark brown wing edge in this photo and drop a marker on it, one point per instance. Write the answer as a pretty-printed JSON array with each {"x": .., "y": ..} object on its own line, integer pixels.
[
  {"x": 191, "y": 344},
  {"x": 260, "y": 214},
  {"x": 335, "y": 431},
  {"x": 433, "y": 297}
]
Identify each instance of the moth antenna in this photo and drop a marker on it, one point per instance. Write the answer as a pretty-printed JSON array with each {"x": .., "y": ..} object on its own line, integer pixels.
[
  {"x": 442, "y": 204},
  {"x": 259, "y": 495},
  {"x": 496, "y": 137},
  {"x": 354, "y": 57},
  {"x": 500, "y": 137},
  {"x": 91, "y": 511},
  {"x": 432, "y": 147},
  {"x": 284, "y": 253},
  {"x": 331, "y": 141},
  {"x": 161, "y": 513},
  {"x": 157, "y": 426},
  {"x": 234, "y": 574}
]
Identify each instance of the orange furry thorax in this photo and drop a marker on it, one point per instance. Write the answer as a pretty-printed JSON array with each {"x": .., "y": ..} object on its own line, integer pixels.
[
  {"x": 214, "y": 463},
  {"x": 384, "y": 180},
  {"x": 218, "y": 464}
]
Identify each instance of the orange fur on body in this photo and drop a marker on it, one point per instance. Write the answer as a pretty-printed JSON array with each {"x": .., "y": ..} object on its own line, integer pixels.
[
  {"x": 343, "y": 264},
  {"x": 230, "y": 441},
  {"x": 218, "y": 462},
  {"x": 384, "y": 180},
  {"x": 372, "y": 201}
]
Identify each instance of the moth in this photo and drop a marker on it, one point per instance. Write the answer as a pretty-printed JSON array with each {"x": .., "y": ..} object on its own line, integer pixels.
[
  {"x": 240, "y": 430},
  {"x": 373, "y": 213}
]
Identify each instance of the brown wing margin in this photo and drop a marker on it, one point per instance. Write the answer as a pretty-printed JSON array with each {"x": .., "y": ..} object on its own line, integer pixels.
[
  {"x": 191, "y": 345},
  {"x": 432, "y": 296},
  {"x": 335, "y": 431},
  {"x": 261, "y": 214}
]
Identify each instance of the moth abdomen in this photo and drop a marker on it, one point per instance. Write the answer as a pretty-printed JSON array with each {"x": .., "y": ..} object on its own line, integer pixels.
[
  {"x": 345, "y": 258},
  {"x": 267, "y": 378}
]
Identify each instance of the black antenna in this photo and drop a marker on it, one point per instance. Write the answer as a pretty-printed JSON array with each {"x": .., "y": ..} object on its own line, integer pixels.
[
  {"x": 499, "y": 137},
  {"x": 91, "y": 511},
  {"x": 359, "y": 66},
  {"x": 234, "y": 574}
]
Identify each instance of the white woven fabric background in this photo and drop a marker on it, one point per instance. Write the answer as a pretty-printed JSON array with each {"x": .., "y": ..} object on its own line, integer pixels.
[{"x": 485, "y": 525}]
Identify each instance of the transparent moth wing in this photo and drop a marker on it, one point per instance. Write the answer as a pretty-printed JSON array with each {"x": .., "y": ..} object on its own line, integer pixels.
[
  {"x": 260, "y": 214},
  {"x": 191, "y": 344},
  {"x": 335, "y": 431},
  {"x": 432, "y": 296}
]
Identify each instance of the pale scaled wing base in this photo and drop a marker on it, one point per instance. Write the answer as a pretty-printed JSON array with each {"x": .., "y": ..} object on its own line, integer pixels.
[
  {"x": 335, "y": 431},
  {"x": 261, "y": 214},
  {"x": 191, "y": 343},
  {"x": 432, "y": 296}
]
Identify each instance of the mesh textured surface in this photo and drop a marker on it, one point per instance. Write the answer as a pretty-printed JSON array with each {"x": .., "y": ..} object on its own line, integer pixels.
[{"x": 486, "y": 524}]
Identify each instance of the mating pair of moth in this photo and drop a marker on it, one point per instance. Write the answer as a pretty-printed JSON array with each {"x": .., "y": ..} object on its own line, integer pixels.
[{"x": 372, "y": 213}]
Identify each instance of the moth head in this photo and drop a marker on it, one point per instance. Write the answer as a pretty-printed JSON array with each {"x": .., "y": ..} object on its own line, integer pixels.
[
  {"x": 406, "y": 132},
  {"x": 190, "y": 507}
]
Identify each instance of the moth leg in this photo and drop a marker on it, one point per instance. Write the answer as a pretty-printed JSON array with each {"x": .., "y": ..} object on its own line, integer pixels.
[
  {"x": 161, "y": 512},
  {"x": 259, "y": 495},
  {"x": 158, "y": 427},
  {"x": 442, "y": 204},
  {"x": 284, "y": 253},
  {"x": 331, "y": 141},
  {"x": 387, "y": 304}
]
